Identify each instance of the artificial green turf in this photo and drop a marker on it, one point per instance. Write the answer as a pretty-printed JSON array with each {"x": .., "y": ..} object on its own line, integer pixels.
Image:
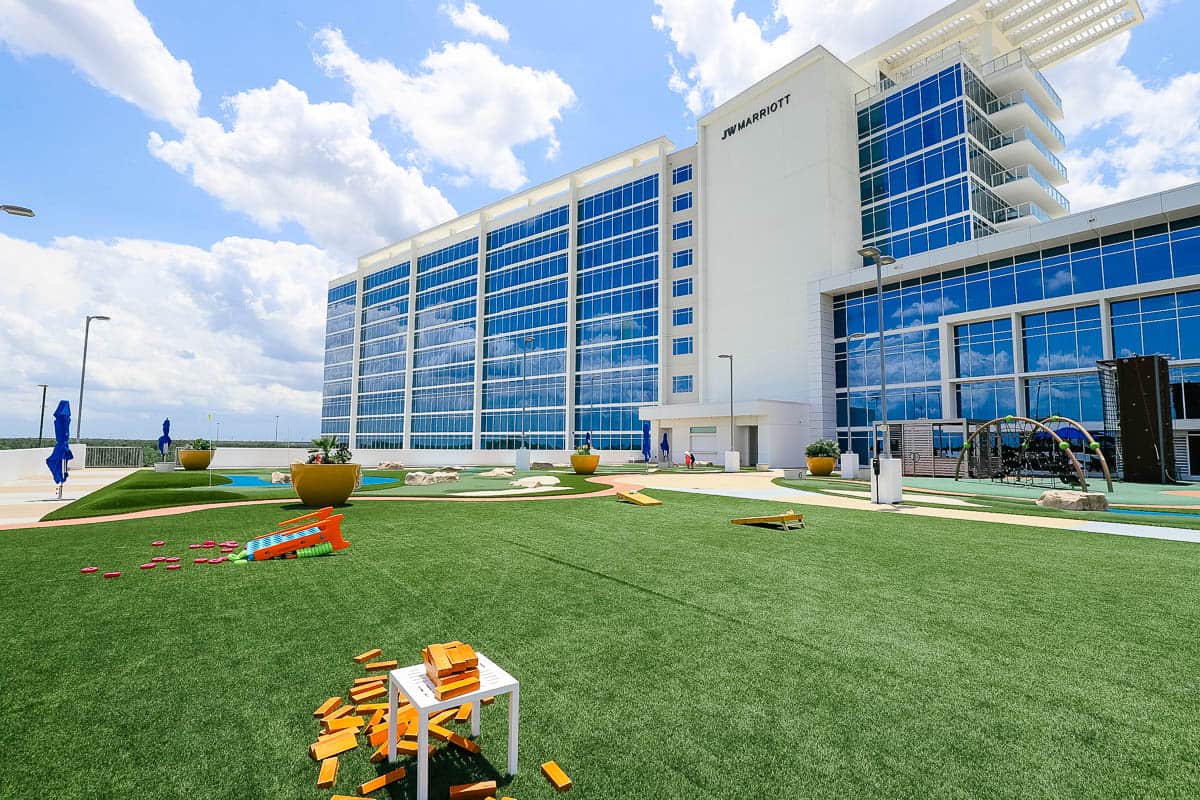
[{"x": 663, "y": 653}]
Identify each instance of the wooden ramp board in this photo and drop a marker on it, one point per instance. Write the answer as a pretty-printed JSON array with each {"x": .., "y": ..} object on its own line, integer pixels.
[
  {"x": 637, "y": 498},
  {"x": 784, "y": 521}
]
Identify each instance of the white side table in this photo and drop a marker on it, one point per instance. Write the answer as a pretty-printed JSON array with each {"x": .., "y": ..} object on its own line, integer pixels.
[{"x": 418, "y": 689}]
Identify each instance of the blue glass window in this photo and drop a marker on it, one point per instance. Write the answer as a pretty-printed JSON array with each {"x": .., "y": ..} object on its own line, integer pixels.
[
  {"x": 681, "y": 384},
  {"x": 681, "y": 230},
  {"x": 682, "y": 346},
  {"x": 682, "y": 258},
  {"x": 681, "y": 174},
  {"x": 681, "y": 202},
  {"x": 681, "y": 287},
  {"x": 682, "y": 316}
]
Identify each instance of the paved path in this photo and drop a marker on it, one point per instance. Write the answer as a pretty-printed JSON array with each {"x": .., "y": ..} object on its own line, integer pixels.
[
  {"x": 27, "y": 500},
  {"x": 759, "y": 486}
]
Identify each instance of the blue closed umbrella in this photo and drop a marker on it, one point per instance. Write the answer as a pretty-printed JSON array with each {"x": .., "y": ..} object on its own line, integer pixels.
[
  {"x": 164, "y": 441},
  {"x": 666, "y": 446},
  {"x": 57, "y": 462},
  {"x": 646, "y": 441},
  {"x": 587, "y": 440}
]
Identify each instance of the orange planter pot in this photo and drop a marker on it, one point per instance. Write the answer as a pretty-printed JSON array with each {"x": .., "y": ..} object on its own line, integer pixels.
[
  {"x": 320, "y": 485},
  {"x": 821, "y": 466},
  {"x": 584, "y": 465},
  {"x": 195, "y": 459}
]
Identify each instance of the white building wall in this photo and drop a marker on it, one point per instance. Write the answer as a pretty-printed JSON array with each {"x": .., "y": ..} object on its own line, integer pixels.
[{"x": 780, "y": 208}]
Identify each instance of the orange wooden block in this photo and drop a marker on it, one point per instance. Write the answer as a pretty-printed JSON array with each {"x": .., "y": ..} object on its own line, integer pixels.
[
  {"x": 336, "y": 713},
  {"x": 471, "y": 791},
  {"x": 343, "y": 723},
  {"x": 331, "y": 734},
  {"x": 556, "y": 776},
  {"x": 327, "y": 706},
  {"x": 348, "y": 797},
  {"x": 487, "y": 701},
  {"x": 369, "y": 694},
  {"x": 463, "y": 655},
  {"x": 367, "y": 708},
  {"x": 375, "y": 784},
  {"x": 380, "y": 753},
  {"x": 441, "y": 716},
  {"x": 378, "y": 665},
  {"x": 464, "y": 713},
  {"x": 465, "y": 686},
  {"x": 378, "y": 737},
  {"x": 332, "y": 746},
  {"x": 450, "y": 677},
  {"x": 369, "y": 679},
  {"x": 438, "y": 732},
  {"x": 328, "y": 773},
  {"x": 375, "y": 719},
  {"x": 367, "y": 656},
  {"x": 439, "y": 659}
]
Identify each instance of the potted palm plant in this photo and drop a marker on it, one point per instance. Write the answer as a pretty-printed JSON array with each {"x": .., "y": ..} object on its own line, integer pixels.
[
  {"x": 327, "y": 478},
  {"x": 822, "y": 456},
  {"x": 197, "y": 455},
  {"x": 584, "y": 461}
]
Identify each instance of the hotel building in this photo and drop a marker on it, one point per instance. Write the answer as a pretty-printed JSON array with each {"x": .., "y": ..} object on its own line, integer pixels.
[{"x": 601, "y": 300}]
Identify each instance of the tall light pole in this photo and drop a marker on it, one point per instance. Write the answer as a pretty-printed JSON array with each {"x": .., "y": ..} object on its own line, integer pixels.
[
  {"x": 42, "y": 418},
  {"x": 881, "y": 261},
  {"x": 87, "y": 326},
  {"x": 528, "y": 340},
  {"x": 276, "y": 429},
  {"x": 732, "y": 430},
  {"x": 18, "y": 211}
]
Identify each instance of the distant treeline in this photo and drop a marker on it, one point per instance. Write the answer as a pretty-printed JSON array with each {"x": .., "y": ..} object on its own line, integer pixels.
[{"x": 150, "y": 446}]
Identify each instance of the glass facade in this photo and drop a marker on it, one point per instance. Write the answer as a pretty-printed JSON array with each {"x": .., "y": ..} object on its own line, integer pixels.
[
  {"x": 1045, "y": 359},
  {"x": 383, "y": 354},
  {"x": 339, "y": 357}
]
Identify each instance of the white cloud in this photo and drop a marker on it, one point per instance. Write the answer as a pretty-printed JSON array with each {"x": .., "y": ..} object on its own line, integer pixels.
[
  {"x": 286, "y": 159},
  {"x": 472, "y": 20},
  {"x": 112, "y": 43},
  {"x": 718, "y": 52},
  {"x": 227, "y": 329},
  {"x": 465, "y": 108}
]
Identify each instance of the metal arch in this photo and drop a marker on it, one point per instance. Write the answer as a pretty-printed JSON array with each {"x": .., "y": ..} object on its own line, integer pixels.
[
  {"x": 1001, "y": 420},
  {"x": 1091, "y": 441}
]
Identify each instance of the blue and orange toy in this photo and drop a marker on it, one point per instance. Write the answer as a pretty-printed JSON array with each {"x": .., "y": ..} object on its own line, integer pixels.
[{"x": 312, "y": 538}]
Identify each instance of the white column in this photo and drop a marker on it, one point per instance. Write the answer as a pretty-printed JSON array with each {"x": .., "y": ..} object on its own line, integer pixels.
[
  {"x": 1019, "y": 365},
  {"x": 946, "y": 349},
  {"x": 477, "y": 402}
]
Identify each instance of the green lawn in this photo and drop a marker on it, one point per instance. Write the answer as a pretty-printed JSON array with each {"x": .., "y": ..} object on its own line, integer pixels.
[{"x": 662, "y": 652}]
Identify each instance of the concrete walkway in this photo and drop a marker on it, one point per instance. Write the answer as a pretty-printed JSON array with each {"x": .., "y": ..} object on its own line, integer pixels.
[
  {"x": 759, "y": 486},
  {"x": 27, "y": 500}
]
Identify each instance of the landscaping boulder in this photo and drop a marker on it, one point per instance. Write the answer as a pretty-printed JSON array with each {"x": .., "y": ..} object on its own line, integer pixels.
[
  {"x": 541, "y": 465},
  {"x": 281, "y": 477},
  {"x": 429, "y": 478},
  {"x": 390, "y": 465},
  {"x": 1068, "y": 500},
  {"x": 534, "y": 482},
  {"x": 499, "y": 472},
  {"x": 451, "y": 469}
]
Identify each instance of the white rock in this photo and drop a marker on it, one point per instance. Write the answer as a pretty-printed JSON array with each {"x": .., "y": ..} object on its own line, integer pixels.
[
  {"x": 499, "y": 472},
  {"x": 429, "y": 478},
  {"x": 540, "y": 465},
  {"x": 281, "y": 477},
  {"x": 390, "y": 465},
  {"x": 451, "y": 469},
  {"x": 534, "y": 482},
  {"x": 1069, "y": 500}
]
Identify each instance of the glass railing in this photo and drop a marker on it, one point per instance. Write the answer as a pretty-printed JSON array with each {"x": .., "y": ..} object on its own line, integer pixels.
[
  {"x": 1027, "y": 171},
  {"x": 1014, "y": 213},
  {"x": 946, "y": 55},
  {"x": 1022, "y": 96},
  {"x": 1019, "y": 57},
  {"x": 1026, "y": 135}
]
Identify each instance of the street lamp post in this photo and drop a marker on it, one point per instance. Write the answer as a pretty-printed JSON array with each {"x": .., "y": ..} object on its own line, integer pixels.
[
  {"x": 42, "y": 418},
  {"x": 732, "y": 429},
  {"x": 18, "y": 211},
  {"x": 528, "y": 340},
  {"x": 276, "y": 429},
  {"x": 881, "y": 261},
  {"x": 87, "y": 326}
]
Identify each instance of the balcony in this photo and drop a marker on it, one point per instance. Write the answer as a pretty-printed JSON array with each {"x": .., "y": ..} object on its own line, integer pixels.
[
  {"x": 1021, "y": 216},
  {"x": 1024, "y": 184},
  {"x": 1022, "y": 146},
  {"x": 1014, "y": 71},
  {"x": 1019, "y": 109}
]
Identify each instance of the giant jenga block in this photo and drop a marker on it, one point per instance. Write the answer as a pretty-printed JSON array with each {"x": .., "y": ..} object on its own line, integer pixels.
[
  {"x": 348, "y": 797},
  {"x": 442, "y": 716},
  {"x": 331, "y": 734},
  {"x": 368, "y": 708},
  {"x": 328, "y": 774},
  {"x": 472, "y": 791},
  {"x": 446, "y": 735},
  {"x": 464, "y": 712},
  {"x": 436, "y": 655},
  {"x": 376, "y": 718},
  {"x": 327, "y": 706},
  {"x": 367, "y": 656},
  {"x": 369, "y": 679},
  {"x": 380, "y": 753},
  {"x": 556, "y": 776},
  {"x": 375, "y": 784},
  {"x": 342, "y": 723},
  {"x": 340, "y": 711},
  {"x": 369, "y": 694},
  {"x": 332, "y": 746},
  {"x": 382, "y": 665},
  {"x": 456, "y": 688}
]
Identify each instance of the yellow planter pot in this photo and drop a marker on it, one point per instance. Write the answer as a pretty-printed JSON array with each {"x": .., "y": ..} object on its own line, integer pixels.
[
  {"x": 195, "y": 459},
  {"x": 320, "y": 485},
  {"x": 584, "y": 465},
  {"x": 821, "y": 466}
]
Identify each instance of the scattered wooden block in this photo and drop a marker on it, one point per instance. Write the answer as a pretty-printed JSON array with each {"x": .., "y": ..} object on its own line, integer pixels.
[
  {"x": 331, "y": 734},
  {"x": 369, "y": 694},
  {"x": 369, "y": 679},
  {"x": 441, "y": 716},
  {"x": 336, "y": 713},
  {"x": 343, "y": 723},
  {"x": 375, "y": 784},
  {"x": 327, "y": 706},
  {"x": 328, "y": 774},
  {"x": 380, "y": 753},
  {"x": 378, "y": 737},
  {"x": 376, "y": 718},
  {"x": 464, "y": 713},
  {"x": 487, "y": 701},
  {"x": 335, "y": 745},
  {"x": 471, "y": 791},
  {"x": 367, "y": 656},
  {"x": 456, "y": 688},
  {"x": 378, "y": 665},
  {"x": 348, "y": 797},
  {"x": 438, "y": 732},
  {"x": 367, "y": 708},
  {"x": 556, "y": 776}
]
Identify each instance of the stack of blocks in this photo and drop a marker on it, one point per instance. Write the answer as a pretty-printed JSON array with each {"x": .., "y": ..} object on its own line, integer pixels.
[{"x": 453, "y": 668}]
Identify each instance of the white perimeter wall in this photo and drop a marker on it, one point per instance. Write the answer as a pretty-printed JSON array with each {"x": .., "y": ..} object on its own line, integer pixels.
[
  {"x": 780, "y": 207},
  {"x": 31, "y": 463},
  {"x": 278, "y": 457}
]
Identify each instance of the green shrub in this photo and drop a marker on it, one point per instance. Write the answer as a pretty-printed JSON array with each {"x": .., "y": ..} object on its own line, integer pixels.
[
  {"x": 823, "y": 448},
  {"x": 200, "y": 444}
]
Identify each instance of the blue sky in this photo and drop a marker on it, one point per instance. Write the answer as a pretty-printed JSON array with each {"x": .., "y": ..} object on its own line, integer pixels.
[{"x": 201, "y": 170}]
